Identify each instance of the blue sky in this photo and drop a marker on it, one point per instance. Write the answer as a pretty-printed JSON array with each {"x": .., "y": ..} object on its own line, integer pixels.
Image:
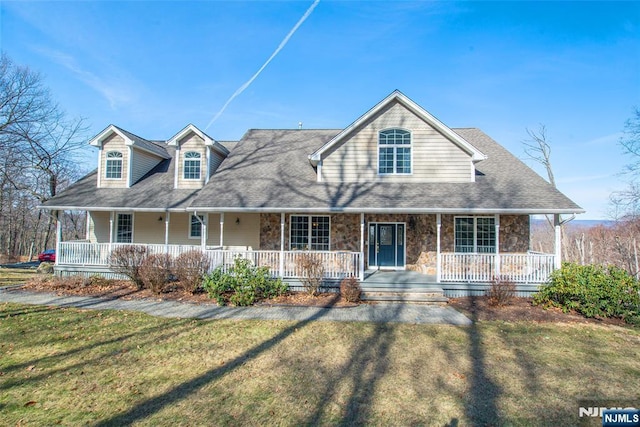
[{"x": 154, "y": 67}]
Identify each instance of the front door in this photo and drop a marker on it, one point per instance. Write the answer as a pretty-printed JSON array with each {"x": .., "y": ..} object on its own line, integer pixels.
[{"x": 386, "y": 245}]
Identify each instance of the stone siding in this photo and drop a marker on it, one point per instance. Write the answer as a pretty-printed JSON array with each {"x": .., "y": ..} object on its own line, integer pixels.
[{"x": 421, "y": 235}]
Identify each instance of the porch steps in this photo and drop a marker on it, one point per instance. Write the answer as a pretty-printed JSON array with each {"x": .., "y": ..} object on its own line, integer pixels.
[{"x": 430, "y": 295}]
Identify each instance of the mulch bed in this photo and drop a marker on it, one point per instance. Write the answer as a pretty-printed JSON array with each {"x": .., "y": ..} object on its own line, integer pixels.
[
  {"x": 123, "y": 289},
  {"x": 476, "y": 308}
]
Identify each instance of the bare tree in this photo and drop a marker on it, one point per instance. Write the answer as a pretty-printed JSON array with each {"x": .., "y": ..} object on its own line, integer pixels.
[
  {"x": 626, "y": 203},
  {"x": 538, "y": 149},
  {"x": 39, "y": 146}
]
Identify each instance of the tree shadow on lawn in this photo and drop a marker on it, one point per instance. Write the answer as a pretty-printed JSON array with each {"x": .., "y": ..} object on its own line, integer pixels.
[
  {"x": 368, "y": 364},
  {"x": 155, "y": 404},
  {"x": 169, "y": 329},
  {"x": 481, "y": 402}
]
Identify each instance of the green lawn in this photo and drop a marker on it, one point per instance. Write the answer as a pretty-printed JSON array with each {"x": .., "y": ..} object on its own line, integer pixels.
[
  {"x": 74, "y": 367},
  {"x": 15, "y": 276}
]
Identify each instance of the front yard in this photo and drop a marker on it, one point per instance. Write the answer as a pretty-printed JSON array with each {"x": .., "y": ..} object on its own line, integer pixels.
[
  {"x": 74, "y": 367},
  {"x": 15, "y": 276}
]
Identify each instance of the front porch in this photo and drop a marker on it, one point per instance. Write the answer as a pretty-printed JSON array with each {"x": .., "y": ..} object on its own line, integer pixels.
[{"x": 456, "y": 274}]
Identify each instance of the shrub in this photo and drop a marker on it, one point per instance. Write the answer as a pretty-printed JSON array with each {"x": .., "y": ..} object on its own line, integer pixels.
[
  {"x": 243, "y": 284},
  {"x": 350, "y": 289},
  {"x": 312, "y": 272},
  {"x": 155, "y": 272},
  {"x": 190, "y": 268},
  {"x": 593, "y": 291},
  {"x": 501, "y": 292},
  {"x": 127, "y": 260},
  {"x": 45, "y": 268}
]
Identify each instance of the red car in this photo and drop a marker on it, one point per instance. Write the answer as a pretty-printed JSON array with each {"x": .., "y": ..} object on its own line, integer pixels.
[{"x": 49, "y": 256}]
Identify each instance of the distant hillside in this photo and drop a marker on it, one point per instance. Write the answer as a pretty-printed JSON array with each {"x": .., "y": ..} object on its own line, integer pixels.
[{"x": 578, "y": 223}]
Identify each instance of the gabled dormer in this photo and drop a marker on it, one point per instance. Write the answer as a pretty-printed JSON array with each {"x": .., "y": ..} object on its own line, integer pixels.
[
  {"x": 197, "y": 157},
  {"x": 396, "y": 141},
  {"x": 124, "y": 158}
]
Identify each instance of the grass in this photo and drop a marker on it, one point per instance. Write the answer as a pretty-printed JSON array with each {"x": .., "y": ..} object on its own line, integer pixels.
[
  {"x": 15, "y": 276},
  {"x": 72, "y": 367}
]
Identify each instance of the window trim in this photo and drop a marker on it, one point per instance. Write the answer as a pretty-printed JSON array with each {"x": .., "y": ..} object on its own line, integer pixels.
[
  {"x": 190, "y": 224},
  {"x": 185, "y": 159},
  {"x": 309, "y": 232},
  {"x": 475, "y": 234},
  {"x": 395, "y": 153},
  {"x": 119, "y": 158},
  {"x": 115, "y": 229}
]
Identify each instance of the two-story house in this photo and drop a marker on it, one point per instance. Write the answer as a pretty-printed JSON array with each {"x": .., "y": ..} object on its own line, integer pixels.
[{"x": 396, "y": 189}]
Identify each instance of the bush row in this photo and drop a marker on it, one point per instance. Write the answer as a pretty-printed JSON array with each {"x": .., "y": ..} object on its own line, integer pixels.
[
  {"x": 154, "y": 271},
  {"x": 593, "y": 291}
]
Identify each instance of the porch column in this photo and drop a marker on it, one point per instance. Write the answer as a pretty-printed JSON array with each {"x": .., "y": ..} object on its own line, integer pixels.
[
  {"x": 221, "y": 230},
  {"x": 361, "y": 267},
  {"x": 282, "y": 244},
  {"x": 438, "y": 260},
  {"x": 58, "y": 236},
  {"x": 166, "y": 231},
  {"x": 88, "y": 226},
  {"x": 558, "y": 244},
  {"x": 110, "y": 230},
  {"x": 203, "y": 235},
  {"x": 497, "y": 263}
]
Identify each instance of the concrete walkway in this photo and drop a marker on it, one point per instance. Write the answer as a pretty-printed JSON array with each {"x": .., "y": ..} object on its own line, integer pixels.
[{"x": 392, "y": 313}]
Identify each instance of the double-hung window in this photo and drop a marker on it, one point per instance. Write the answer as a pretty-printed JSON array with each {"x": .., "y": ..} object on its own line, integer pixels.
[
  {"x": 394, "y": 152},
  {"x": 475, "y": 234},
  {"x": 309, "y": 232},
  {"x": 124, "y": 228},
  {"x": 113, "y": 169},
  {"x": 191, "y": 165},
  {"x": 195, "y": 226}
]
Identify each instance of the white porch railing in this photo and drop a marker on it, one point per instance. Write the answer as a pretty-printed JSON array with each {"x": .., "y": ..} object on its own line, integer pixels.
[
  {"x": 337, "y": 265},
  {"x": 97, "y": 254},
  {"x": 519, "y": 268}
]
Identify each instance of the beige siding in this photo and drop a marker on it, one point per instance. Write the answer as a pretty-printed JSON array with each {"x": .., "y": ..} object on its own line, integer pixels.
[
  {"x": 244, "y": 233},
  {"x": 214, "y": 162},
  {"x": 192, "y": 142},
  {"x": 435, "y": 158},
  {"x": 247, "y": 233},
  {"x": 99, "y": 227},
  {"x": 142, "y": 163},
  {"x": 114, "y": 143},
  {"x": 148, "y": 228}
]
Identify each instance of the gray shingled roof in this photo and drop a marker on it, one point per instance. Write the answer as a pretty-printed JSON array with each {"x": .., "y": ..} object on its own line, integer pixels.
[
  {"x": 269, "y": 170},
  {"x": 153, "y": 192},
  {"x": 154, "y": 147}
]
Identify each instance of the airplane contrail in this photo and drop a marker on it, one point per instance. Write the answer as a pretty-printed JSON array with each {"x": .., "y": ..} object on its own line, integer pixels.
[{"x": 273, "y": 55}]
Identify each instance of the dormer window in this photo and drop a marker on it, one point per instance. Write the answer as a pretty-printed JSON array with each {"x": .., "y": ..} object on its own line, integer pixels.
[
  {"x": 191, "y": 165},
  {"x": 114, "y": 165},
  {"x": 394, "y": 152}
]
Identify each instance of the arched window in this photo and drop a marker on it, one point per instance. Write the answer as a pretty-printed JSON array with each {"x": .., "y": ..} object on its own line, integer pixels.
[
  {"x": 114, "y": 165},
  {"x": 394, "y": 152},
  {"x": 191, "y": 165}
]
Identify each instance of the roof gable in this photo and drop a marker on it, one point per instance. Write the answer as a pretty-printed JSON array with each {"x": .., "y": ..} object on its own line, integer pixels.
[
  {"x": 129, "y": 140},
  {"x": 397, "y": 96},
  {"x": 208, "y": 141}
]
